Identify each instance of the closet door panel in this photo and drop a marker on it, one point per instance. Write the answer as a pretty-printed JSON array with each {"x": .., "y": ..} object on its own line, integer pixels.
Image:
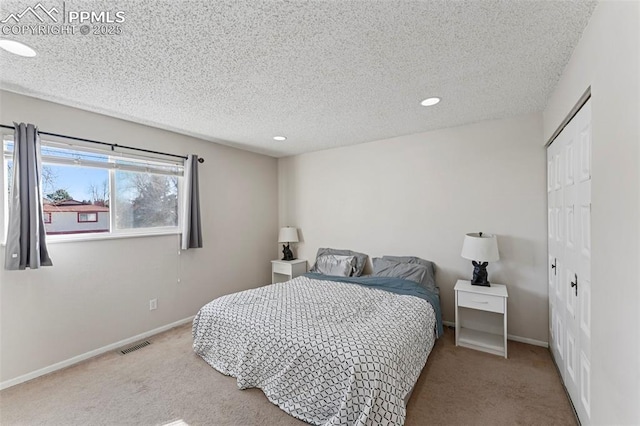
[{"x": 569, "y": 242}]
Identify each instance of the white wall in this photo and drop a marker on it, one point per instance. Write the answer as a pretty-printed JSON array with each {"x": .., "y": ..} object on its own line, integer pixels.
[
  {"x": 607, "y": 60},
  {"x": 419, "y": 194},
  {"x": 97, "y": 293}
]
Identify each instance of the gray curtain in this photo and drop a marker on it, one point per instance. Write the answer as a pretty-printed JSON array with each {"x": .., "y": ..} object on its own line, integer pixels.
[
  {"x": 191, "y": 227},
  {"x": 26, "y": 239}
]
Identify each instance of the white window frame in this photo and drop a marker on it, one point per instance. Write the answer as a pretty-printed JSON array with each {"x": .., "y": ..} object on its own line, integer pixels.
[{"x": 135, "y": 163}]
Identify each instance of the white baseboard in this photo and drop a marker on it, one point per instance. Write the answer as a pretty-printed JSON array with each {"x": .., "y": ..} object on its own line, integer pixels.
[
  {"x": 76, "y": 359},
  {"x": 511, "y": 337},
  {"x": 528, "y": 341}
]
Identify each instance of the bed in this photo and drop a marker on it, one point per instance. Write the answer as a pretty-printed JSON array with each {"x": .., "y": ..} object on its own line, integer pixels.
[{"x": 329, "y": 350}]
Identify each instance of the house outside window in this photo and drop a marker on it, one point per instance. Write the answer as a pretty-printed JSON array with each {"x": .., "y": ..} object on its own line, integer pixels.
[{"x": 47, "y": 217}]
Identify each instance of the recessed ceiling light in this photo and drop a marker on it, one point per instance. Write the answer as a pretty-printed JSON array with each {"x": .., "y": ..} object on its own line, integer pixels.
[
  {"x": 430, "y": 101},
  {"x": 17, "y": 48},
  {"x": 279, "y": 138}
]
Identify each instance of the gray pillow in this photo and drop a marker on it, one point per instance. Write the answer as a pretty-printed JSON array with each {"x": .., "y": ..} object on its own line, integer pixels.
[
  {"x": 429, "y": 280},
  {"x": 332, "y": 264},
  {"x": 361, "y": 258},
  {"x": 407, "y": 271}
]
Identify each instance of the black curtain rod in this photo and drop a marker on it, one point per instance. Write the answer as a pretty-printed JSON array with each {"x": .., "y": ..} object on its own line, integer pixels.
[{"x": 112, "y": 145}]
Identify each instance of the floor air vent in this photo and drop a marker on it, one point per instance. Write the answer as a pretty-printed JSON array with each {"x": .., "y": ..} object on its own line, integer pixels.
[{"x": 134, "y": 347}]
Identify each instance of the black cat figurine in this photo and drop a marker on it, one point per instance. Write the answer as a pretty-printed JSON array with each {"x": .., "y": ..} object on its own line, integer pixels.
[
  {"x": 287, "y": 253},
  {"x": 480, "y": 274}
]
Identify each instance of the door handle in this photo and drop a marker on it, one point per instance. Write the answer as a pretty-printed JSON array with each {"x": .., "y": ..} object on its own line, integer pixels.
[
  {"x": 575, "y": 284},
  {"x": 553, "y": 266}
]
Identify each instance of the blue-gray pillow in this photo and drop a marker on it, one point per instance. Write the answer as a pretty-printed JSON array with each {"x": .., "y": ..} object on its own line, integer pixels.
[
  {"x": 336, "y": 265},
  {"x": 407, "y": 271},
  {"x": 361, "y": 258},
  {"x": 429, "y": 280}
]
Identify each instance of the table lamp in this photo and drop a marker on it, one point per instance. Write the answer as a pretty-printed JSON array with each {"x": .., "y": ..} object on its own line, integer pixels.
[
  {"x": 288, "y": 234},
  {"x": 481, "y": 249}
]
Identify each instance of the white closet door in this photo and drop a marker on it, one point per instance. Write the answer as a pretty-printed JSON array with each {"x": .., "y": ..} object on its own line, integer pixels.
[
  {"x": 569, "y": 200},
  {"x": 569, "y": 279},
  {"x": 556, "y": 254},
  {"x": 583, "y": 260}
]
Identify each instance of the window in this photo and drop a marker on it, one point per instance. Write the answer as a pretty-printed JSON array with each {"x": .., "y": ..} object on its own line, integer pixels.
[
  {"x": 88, "y": 191},
  {"x": 146, "y": 200},
  {"x": 87, "y": 217}
]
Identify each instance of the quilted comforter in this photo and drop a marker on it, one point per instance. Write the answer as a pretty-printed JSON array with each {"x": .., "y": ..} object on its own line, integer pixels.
[{"x": 326, "y": 352}]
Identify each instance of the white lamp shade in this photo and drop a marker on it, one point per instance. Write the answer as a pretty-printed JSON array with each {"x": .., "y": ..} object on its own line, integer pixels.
[
  {"x": 288, "y": 234},
  {"x": 481, "y": 248}
]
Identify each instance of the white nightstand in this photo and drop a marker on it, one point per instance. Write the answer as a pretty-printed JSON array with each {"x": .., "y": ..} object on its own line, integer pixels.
[
  {"x": 285, "y": 270},
  {"x": 489, "y": 299}
]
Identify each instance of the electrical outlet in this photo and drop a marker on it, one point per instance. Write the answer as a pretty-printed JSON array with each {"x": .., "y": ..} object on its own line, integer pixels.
[{"x": 153, "y": 304}]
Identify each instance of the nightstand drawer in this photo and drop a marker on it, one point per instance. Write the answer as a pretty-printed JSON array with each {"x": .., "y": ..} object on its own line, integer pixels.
[
  {"x": 482, "y": 302},
  {"x": 281, "y": 268}
]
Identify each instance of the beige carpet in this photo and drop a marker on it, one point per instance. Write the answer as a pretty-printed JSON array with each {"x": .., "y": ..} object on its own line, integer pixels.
[{"x": 166, "y": 382}]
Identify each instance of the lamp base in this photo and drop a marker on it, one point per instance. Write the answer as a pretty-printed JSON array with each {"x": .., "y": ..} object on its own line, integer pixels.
[
  {"x": 480, "y": 274},
  {"x": 287, "y": 253}
]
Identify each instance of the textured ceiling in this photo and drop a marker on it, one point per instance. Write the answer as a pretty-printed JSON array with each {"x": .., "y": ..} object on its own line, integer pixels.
[{"x": 322, "y": 73}]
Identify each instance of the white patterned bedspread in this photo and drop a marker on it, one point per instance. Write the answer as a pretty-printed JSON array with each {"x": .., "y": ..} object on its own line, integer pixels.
[{"x": 326, "y": 352}]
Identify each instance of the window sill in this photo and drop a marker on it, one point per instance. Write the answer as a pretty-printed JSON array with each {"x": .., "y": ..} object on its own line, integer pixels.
[{"x": 56, "y": 239}]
